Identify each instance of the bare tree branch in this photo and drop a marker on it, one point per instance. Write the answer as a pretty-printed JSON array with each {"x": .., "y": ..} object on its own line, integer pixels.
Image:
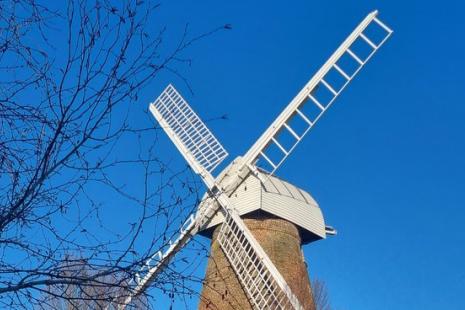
[{"x": 70, "y": 76}]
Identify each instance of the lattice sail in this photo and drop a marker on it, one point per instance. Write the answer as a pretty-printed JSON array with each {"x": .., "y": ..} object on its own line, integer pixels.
[
  {"x": 280, "y": 139},
  {"x": 190, "y": 135},
  {"x": 157, "y": 261}
]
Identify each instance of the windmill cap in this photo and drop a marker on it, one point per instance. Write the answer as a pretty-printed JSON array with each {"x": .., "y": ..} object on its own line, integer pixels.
[{"x": 277, "y": 198}]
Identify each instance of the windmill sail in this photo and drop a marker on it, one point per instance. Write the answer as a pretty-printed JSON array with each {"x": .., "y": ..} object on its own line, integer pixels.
[
  {"x": 280, "y": 139},
  {"x": 187, "y": 131},
  {"x": 155, "y": 264}
]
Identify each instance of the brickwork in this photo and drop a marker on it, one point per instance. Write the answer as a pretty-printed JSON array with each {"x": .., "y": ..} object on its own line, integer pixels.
[{"x": 281, "y": 241}]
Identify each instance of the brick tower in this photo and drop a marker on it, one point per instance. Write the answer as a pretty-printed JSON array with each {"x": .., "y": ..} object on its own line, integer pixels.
[{"x": 282, "y": 218}]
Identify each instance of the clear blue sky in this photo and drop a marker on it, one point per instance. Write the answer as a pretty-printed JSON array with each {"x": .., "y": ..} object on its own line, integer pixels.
[{"x": 386, "y": 163}]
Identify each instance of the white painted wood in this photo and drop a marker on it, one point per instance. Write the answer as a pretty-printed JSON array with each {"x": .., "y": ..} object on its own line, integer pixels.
[
  {"x": 279, "y": 198},
  {"x": 189, "y": 134},
  {"x": 258, "y": 151}
]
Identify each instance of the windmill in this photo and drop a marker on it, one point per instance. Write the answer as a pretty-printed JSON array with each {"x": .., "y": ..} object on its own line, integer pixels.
[{"x": 224, "y": 208}]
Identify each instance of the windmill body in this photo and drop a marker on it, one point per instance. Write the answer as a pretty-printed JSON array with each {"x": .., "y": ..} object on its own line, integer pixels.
[
  {"x": 282, "y": 218},
  {"x": 257, "y": 221}
]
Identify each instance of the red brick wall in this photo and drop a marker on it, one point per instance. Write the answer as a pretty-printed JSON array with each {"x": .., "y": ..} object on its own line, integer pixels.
[{"x": 281, "y": 241}]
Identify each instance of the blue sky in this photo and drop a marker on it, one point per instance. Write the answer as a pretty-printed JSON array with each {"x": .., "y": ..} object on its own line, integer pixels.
[{"x": 386, "y": 163}]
